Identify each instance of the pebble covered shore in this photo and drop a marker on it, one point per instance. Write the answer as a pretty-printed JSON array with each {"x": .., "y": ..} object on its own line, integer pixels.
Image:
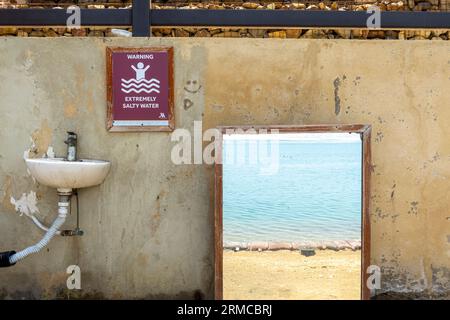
[{"x": 335, "y": 245}]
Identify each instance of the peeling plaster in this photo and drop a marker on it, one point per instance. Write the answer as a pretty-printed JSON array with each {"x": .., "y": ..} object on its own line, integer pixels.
[
  {"x": 40, "y": 141},
  {"x": 50, "y": 153},
  {"x": 7, "y": 187},
  {"x": 42, "y": 138},
  {"x": 440, "y": 279},
  {"x": 31, "y": 150}
]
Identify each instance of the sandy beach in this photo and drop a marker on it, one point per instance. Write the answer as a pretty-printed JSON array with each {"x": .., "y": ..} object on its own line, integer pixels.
[{"x": 287, "y": 274}]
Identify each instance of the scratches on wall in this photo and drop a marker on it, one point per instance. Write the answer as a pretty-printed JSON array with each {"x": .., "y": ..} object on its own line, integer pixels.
[
  {"x": 42, "y": 138},
  {"x": 379, "y": 137},
  {"x": 393, "y": 191},
  {"x": 192, "y": 86},
  {"x": 414, "y": 208},
  {"x": 357, "y": 81},
  {"x": 337, "y": 99},
  {"x": 156, "y": 214},
  {"x": 187, "y": 103}
]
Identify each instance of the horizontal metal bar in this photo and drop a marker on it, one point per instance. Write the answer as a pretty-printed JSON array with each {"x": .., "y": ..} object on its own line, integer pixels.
[
  {"x": 230, "y": 18},
  {"x": 58, "y": 17},
  {"x": 298, "y": 19}
]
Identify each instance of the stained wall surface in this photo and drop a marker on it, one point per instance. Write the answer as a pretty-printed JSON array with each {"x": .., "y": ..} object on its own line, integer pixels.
[{"x": 149, "y": 226}]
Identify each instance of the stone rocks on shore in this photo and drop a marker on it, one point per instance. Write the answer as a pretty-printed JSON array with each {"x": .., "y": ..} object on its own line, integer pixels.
[
  {"x": 307, "y": 252},
  {"x": 336, "y": 245}
]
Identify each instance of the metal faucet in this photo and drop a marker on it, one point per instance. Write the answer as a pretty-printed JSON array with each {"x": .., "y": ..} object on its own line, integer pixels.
[{"x": 71, "y": 146}]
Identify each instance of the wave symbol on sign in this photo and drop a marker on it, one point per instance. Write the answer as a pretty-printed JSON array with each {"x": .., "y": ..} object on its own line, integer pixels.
[{"x": 139, "y": 83}]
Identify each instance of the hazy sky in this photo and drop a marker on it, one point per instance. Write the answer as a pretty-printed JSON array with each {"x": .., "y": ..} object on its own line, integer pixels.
[{"x": 306, "y": 137}]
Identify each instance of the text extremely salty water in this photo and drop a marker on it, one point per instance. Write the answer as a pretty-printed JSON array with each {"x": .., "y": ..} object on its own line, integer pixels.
[{"x": 314, "y": 195}]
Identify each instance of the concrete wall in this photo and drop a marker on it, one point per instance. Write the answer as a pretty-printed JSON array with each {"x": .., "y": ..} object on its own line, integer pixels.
[{"x": 149, "y": 227}]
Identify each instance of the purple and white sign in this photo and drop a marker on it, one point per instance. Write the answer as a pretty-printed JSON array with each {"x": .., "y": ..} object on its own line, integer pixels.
[{"x": 141, "y": 88}]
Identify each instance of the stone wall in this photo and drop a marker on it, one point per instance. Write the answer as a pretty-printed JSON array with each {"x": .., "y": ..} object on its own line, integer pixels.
[
  {"x": 358, "y": 5},
  {"x": 244, "y": 32},
  {"x": 238, "y": 33}
]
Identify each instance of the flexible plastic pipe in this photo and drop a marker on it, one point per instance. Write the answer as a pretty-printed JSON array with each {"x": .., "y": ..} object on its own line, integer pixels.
[
  {"x": 63, "y": 209},
  {"x": 41, "y": 244},
  {"x": 40, "y": 225}
]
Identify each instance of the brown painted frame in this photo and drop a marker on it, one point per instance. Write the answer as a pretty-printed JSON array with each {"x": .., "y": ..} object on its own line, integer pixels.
[
  {"x": 365, "y": 133},
  {"x": 109, "y": 93}
]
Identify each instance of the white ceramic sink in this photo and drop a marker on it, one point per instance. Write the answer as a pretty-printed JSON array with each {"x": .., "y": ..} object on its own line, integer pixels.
[{"x": 65, "y": 175}]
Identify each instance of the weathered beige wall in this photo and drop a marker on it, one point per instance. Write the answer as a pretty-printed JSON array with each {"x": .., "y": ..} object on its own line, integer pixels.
[{"x": 149, "y": 227}]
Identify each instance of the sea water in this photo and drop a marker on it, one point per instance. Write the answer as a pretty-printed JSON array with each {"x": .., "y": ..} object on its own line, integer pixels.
[{"x": 315, "y": 194}]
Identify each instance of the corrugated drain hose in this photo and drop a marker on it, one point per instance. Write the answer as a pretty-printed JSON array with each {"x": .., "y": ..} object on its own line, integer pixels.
[{"x": 9, "y": 258}]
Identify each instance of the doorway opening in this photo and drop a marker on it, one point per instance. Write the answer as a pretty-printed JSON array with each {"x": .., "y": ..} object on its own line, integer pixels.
[{"x": 292, "y": 212}]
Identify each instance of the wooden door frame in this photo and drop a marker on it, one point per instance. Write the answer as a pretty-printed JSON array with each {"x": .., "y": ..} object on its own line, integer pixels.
[{"x": 365, "y": 133}]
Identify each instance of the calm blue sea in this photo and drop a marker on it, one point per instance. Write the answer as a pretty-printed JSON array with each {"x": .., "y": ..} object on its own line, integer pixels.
[{"x": 315, "y": 194}]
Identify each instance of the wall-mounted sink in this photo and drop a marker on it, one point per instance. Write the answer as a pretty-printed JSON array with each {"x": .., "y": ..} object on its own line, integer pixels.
[{"x": 66, "y": 175}]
